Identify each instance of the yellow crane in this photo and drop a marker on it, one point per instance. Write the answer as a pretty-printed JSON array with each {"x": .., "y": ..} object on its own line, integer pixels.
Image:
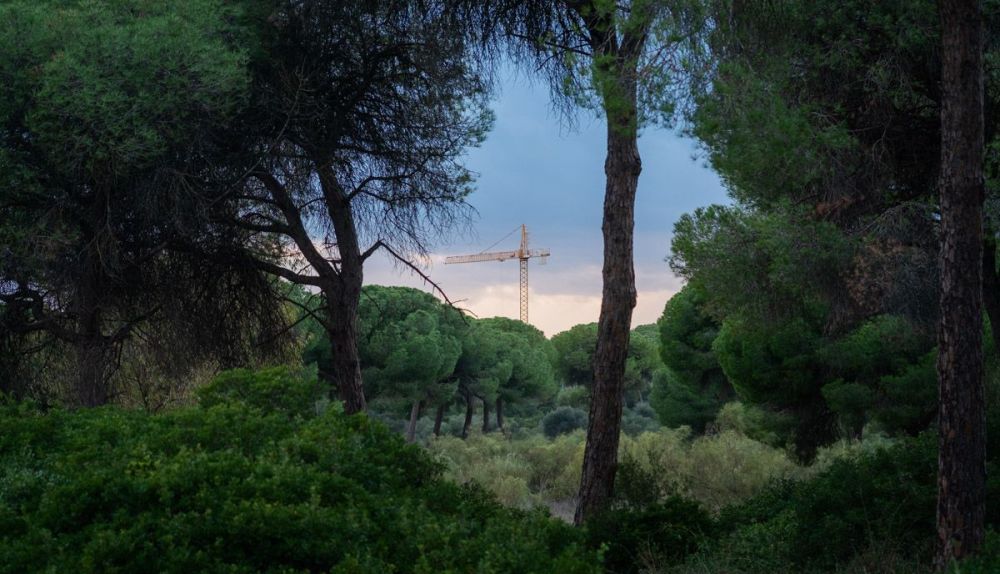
[{"x": 523, "y": 254}]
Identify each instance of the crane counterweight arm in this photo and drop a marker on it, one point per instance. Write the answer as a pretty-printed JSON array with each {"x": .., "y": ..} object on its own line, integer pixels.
[{"x": 475, "y": 258}]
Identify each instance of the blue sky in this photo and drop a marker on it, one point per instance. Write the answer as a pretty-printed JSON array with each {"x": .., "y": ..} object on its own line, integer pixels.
[{"x": 536, "y": 170}]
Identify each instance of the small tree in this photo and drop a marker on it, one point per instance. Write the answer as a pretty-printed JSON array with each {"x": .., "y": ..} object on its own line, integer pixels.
[
  {"x": 109, "y": 113},
  {"x": 361, "y": 112},
  {"x": 530, "y": 355},
  {"x": 410, "y": 344},
  {"x": 618, "y": 59},
  {"x": 484, "y": 365}
]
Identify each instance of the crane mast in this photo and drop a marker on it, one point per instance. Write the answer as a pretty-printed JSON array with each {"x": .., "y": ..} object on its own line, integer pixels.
[{"x": 522, "y": 254}]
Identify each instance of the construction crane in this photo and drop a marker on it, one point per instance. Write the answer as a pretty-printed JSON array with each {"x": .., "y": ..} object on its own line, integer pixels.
[{"x": 523, "y": 254}]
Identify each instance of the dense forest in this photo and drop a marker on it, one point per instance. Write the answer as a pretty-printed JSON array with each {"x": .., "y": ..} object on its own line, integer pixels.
[{"x": 195, "y": 374}]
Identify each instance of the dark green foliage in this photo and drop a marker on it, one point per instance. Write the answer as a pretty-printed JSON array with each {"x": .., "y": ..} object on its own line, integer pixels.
[
  {"x": 574, "y": 355},
  {"x": 575, "y": 352},
  {"x": 636, "y": 486},
  {"x": 686, "y": 336},
  {"x": 771, "y": 364},
  {"x": 986, "y": 562},
  {"x": 654, "y": 536},
  {"x": 563, "y": 420},
  {"x": 110, "y": 115},
  {"x": 638, "y": 419},
  {"x": 885, "y": 497},
  {"x": 530, "y": 355},
  {"x": 239, "y": 488},
  {"x": 277, "y": 389},
  {"x": 409, "y": 344},
  {"x": 885, "y": 371},
  {"x": 678, "y": 404}
]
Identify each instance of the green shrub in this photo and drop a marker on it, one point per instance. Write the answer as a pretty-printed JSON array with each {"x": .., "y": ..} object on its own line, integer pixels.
[
  {"x": 884, "y": 497},
  {"x": 563, "y": 420},
  {"x": 986, "y": 562},
  {"x": 649, "y": 538},
  {"x": 576, "y": 396},
  {"x": 754, "y": 422},
  {"x": 520, "y": 473},
  {"x": 232, "y": 486},
  {"x": 276, "y": 389},
  {"x": 716, "y": 470},
  {"x": 639, "y": 419}
]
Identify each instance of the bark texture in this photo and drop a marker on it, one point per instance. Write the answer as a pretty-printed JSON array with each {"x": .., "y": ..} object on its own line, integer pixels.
[
  {"x": 486, "y": 416},
  {"x": 622, "y": 168},
  {"x": 467, "y": 426},
  {"x": 344, "y": 296},
  {"x": 439, "y": 418},
  {"x": 345, "y": 364},
  {"x": 991, "y": 287},
  {"x": 411, "y": 428},
  {"x": 962, "y": 418}
]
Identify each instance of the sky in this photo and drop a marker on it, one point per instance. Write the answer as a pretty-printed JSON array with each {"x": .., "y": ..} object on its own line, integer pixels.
[{"x": 534, "y": 169}]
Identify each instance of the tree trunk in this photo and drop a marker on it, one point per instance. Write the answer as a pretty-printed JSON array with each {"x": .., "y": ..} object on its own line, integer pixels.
[
  {"x": 345, "y": 364},
  {"x": 991, "y": 289},
  {"x": 411, "y": 429},
  {"x": 92, "y": 348},
  {"x": 500, "y": 414},
  {"x": 93, "y": 355},
  {"x": 486, "y": 416},
  {"x": 961, "y": 415},
  {"x": 621, "y": 169},
  {"x": 439, "y": 418},
  {"x": 344, "y": 298},
  {"x": 467, "y": 427}
]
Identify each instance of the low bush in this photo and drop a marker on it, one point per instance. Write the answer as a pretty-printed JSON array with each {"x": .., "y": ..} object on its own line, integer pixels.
[
  {"x": 987, "y": 562},
  {"x": 577, "y": 396},
  {"x": 521, "y": 473},
  {"x": 869, "y": 512},
  {"x": 639, "y": 419},
  {"x": 716, "y": 470},
  {"x": 650, "y": 538},
  {"x": 563, "y": 420},
  {"x": 233, "y": 485}
]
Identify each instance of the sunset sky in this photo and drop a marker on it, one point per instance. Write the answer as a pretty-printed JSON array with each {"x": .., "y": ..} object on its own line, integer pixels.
[{"x": 533, "y": 169}]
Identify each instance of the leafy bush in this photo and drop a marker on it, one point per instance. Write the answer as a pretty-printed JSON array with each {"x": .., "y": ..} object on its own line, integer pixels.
[
  {"x": 639, "y": 419},
  {"x": 987, "y": 562},
  {"x": 884, "y": 497},
  {"x": 646, "y": 539},
  {"x": 754, "y": 422},
  {"x": 563, "y": 420},
  {"x": 521, "y": 473},
  {"x": 577, "y": 396},
  {"x": 232, "y": 486},
  {"x": 276, "y": 389},
  {"x": 716, "y": 470}
]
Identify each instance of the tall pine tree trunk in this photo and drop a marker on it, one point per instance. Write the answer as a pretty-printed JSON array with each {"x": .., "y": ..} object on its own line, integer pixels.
[
  {"x": 467, "y": 426},
  {"x": 962, "y": 418},
  {"x": 439, "y": 418},
  {"x": 500, "y": 414},
  {"x": 345, "y": 363},
  {"x": 92, "y": 348},
  {"x": 621, "y": 167},
  {"x": 991, "y": 289},
  {"x": 486, "y": 416},
  {"x": 411, "y": 428},
  {"x": 344, "y": 298}
]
